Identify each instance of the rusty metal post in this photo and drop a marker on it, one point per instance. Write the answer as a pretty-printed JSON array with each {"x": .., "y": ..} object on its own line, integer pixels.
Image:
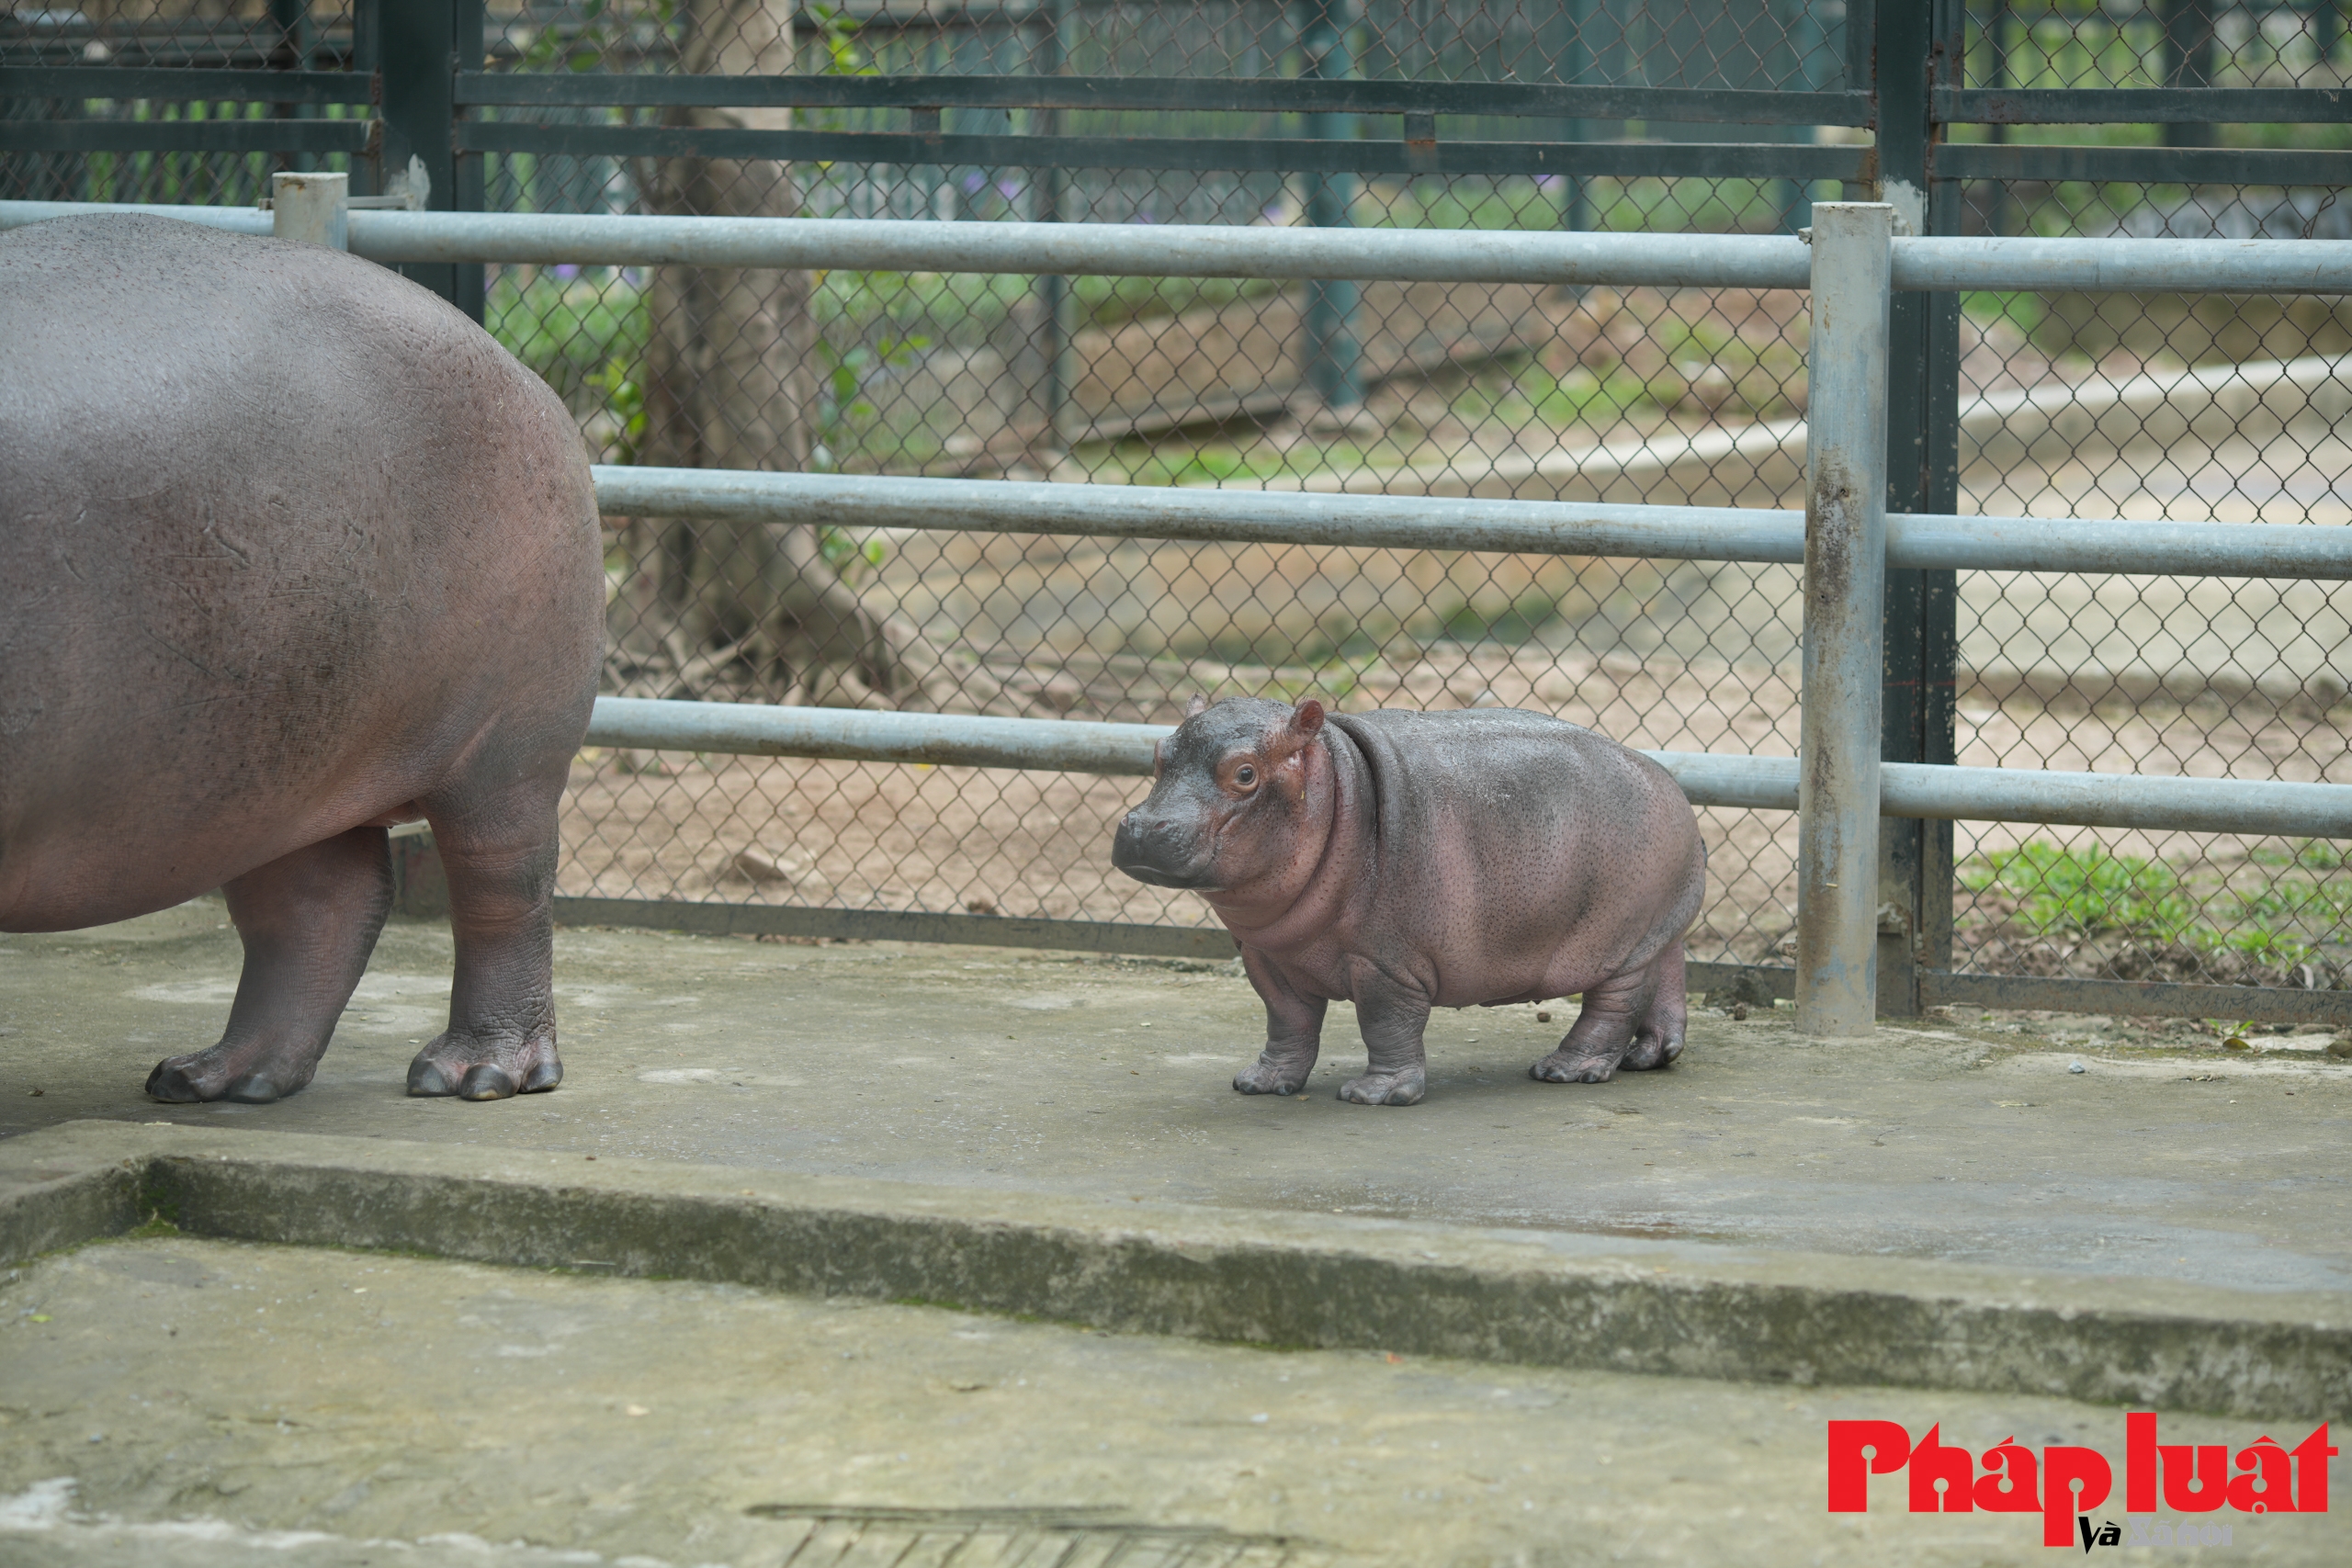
[
  {"x": 313, "y": 207},
  {"x": 1845, "y": 591}
]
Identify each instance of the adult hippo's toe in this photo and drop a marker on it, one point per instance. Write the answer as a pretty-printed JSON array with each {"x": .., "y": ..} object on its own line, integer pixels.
[
  {"x": 483, "y": 1071},
  {"x": 231, "y": 1072}
]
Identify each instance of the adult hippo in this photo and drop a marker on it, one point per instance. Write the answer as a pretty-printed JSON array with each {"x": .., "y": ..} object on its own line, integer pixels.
[{"x": 290, "y": 552}]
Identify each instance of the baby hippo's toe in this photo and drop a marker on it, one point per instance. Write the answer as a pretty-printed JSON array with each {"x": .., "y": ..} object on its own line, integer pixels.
[
  {"x": 1264, "y": 1077},
  {"x": 1652, "y": 1051},
  {"x": 1402, "y": 1088},
  {"x": 1561, "y": 1067}
]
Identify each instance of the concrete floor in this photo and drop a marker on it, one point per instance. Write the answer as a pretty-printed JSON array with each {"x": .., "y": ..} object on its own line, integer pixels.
[
  {"x": 200, "y": 1396},
  {"x": 1045, "y": 1072}
]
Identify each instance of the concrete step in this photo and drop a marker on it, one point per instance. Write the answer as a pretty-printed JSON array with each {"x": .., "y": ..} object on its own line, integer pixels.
[{"x": 1523, "y": 1298}]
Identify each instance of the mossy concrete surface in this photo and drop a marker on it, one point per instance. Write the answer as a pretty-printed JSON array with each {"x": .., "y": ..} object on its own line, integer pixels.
[
  {"x": 180, "y": 1404},
  {"x": 1536, "y": 1298}
]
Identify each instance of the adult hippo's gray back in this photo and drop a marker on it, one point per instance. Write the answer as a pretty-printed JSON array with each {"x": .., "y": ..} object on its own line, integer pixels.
[{"x": 291, "y": 551}]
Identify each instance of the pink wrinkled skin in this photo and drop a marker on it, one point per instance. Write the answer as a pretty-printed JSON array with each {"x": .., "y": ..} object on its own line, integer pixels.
[{"x": 1405, "y": 861}]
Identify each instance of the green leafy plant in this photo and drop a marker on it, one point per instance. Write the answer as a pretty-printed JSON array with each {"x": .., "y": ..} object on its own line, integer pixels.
[
  {"x": 1515, "y": 623},
  {"x": 2086, "y": 891},
  {"x": 843, "y": 404},
  {"x": 571, "y": 331},
  {"x": 625, "y": 400},
  {"x": 584, "y": 47},
  {"x": 849, "y": 559},
  {"x": 837, "y": 31},
  {"x": 844, "y": 408}
]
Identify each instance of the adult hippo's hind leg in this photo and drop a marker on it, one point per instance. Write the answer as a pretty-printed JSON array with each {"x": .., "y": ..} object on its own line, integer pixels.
[
  {"x": 498, "y": 849},
  {"x": 308, "y": 921},
  {"x": 1657, "y": 1034}
]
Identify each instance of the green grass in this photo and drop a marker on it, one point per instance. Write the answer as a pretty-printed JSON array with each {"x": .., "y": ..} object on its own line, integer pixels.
[
  {"x": 1515, "y": 623},
  {"x": 2086, "y": 891},
  {"x": 2305, "y": 902},
  {"x": 2312, "y": 854}
]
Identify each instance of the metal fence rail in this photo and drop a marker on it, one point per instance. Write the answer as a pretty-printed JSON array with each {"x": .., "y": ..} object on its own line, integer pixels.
[
  {"x": 1924, "y": 264},
  {"x": 1845, "y": 537},
  {"x": 1951, "y": 542},
  {"x": 1768, "y": 783}
]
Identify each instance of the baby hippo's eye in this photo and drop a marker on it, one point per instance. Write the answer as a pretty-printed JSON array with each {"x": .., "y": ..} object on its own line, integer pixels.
[{"x": 1245, "y": 776}]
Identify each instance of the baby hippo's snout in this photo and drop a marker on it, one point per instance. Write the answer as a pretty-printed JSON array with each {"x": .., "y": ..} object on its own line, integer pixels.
[{"x": 1158, "y": 849}]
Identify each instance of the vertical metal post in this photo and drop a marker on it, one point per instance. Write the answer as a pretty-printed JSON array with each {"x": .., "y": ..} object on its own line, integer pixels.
[
  {"x": 1052, "y": 289},
  {"x": 313, "y": 207},
  {"x": 2189, "y": 49},
  {"x": 1801, "y": 39},
  {"x": 1861, "y": 52},
  {"x": 1572, "y": 63},
  {"x": 416, "y": 44},
  {"x": 467, "y": 173},
  {"x": 1919, "y": 47},
  {"x": 1845, "y": 569},
  {"x": 1329, "y": 355},
  {"x": 295, "y": 38},
  {"x": 1997, "y": 76}
]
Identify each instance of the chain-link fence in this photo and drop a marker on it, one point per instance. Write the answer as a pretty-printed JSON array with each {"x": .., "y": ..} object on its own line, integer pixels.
[
  {"x": 2208, "y": 409},
  {"x": 2223, "y": 409}
]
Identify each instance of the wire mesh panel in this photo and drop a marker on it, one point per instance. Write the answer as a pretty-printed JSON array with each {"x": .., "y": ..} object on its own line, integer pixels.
[
  {"x": 1486, "y": 390},
  {"x": 2195, "y": 409},
  {"x": 279, "y": 35}
]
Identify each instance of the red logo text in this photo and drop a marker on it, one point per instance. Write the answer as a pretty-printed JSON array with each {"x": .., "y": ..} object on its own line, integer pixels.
[{"x": 2062, "y": 1480}]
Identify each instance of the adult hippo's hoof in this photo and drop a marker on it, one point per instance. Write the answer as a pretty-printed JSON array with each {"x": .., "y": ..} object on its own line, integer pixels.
[
  {"x": 1404, "y": 1088},
  {"x": 202, "y": 1076},
  {"x": 169, "y": 1083},
  {"x": 431, "y": 1078},
  {"x": 1651, "y": 1052}
]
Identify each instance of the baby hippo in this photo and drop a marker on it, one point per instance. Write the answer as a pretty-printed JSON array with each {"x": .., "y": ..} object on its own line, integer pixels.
[{"x": 1405, "y": 861}]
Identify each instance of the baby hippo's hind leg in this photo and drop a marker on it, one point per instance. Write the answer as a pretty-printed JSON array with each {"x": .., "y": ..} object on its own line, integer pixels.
[
  {"x": 308, "y": 921},
  {"x": 1604, "y": 1032},
  {"x": 1657, "y": 1035}
]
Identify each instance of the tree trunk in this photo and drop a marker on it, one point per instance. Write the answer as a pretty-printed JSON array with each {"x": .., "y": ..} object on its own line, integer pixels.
[{"x": 730, "y": 383}]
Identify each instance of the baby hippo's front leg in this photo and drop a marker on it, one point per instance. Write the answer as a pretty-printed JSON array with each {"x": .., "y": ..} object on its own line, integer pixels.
[
  {"x": 1294, "y": 1033},
  {"x": 1395, "y": 1061}
]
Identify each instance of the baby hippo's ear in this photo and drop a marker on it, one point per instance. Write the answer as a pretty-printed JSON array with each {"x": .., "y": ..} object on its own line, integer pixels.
[
  {"x": 1199, "y": 705},
  {"x": 1307, "y": 718}
]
